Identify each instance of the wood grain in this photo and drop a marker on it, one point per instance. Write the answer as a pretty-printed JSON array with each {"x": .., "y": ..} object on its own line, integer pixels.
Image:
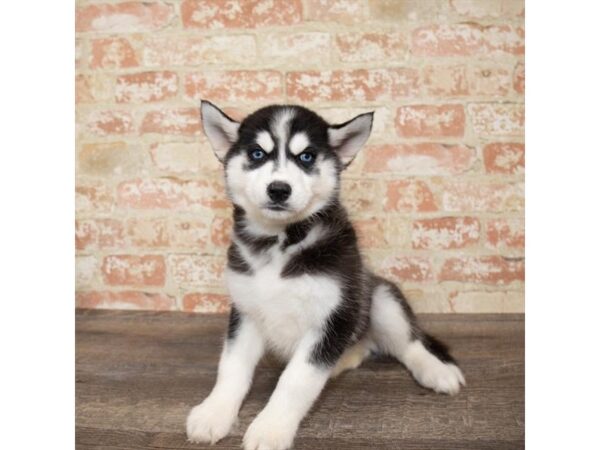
[{"x": 139, "y": 373}]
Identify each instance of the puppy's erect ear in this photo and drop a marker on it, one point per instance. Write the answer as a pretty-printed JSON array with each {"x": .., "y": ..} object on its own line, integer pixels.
[
  {"x": 348, "y": 138},
  {"x": 221, "y": 130}
]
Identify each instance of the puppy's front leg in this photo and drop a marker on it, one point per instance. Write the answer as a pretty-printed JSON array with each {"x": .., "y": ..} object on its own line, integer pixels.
[
  {"x": 298, "y": 387},
  {"x": 212, "y": 419}
]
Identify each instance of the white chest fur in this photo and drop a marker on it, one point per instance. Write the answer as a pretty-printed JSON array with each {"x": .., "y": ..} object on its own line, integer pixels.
[{"x": 284, "y": 308}]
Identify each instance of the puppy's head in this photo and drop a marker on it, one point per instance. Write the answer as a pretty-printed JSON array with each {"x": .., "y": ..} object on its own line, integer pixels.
[{"x": 283, "y": 163}]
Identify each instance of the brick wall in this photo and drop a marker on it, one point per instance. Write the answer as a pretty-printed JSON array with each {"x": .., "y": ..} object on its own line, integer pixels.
[{"x": 437, "y": 195}]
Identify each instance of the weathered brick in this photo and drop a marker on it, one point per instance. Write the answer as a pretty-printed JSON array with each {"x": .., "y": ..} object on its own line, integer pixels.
[
  {"x": 180, "y": 121},
  {"x": 238, "y": 112},
  {"x": 381, "y": 120},
  {"x": 309, "y": 46},
  {"x": 146, "y": 87},
  {"x": 373, "y": 46},
  {"x": 108, "y": 158},
  {"x": 482, "y": 197},
  {"x": 467, "y": 39},
  {"x": 126, "y": 17},
  {"x": 213, "y": 14},
  {"x": 411, "y": 10},
  {"x": 220, "y": 231},
  {"x": 488, "y": 9},
  {"x": 109, "y": 122},
  {"x": 237, "y": 85},
  {"x": 486, "y": 302},
  {"x": 112, "y": 53},
  {"x": 93, "y": 197},
  {"x": 147, "y": 232},
  {"x": 419, "y": 159},
  {"x": 83, "y": 90},
  {"x": 79, "y": 52},
  {"x": 362, "y": 195},
  {"x": 194, "y": 271},
  {"x": 445, "y": 81},
  {"x": 125, "y": 300},
  {"x": 404, "y": 82},
  {"x": 409, "y": 196},
  {"x": 426, "y": 298},
  {"x": 86, "y": 271},
  {"x": 93, "y": 88},
  {"x": 489, "y": 79},
  {"x": 497, "y": 119},
  {"x": 177, "y": 157},
  {"x": 397, "y": 232},
  {"x": 370, "y": 233},
  {"x": 483, "y": 269},
  {"x": 459, "y": 80},
  {"x": 342, "y": 11},
  {"x": 191, "y": 234},
  {"x": 99, "y": 234},
  {"x": 202, "y": 302},
  {"x": 407, "y": 268},
  {"x": 85, "y": 234},
  {"x": 134, "y": 270},
  {"x": 159, "y": 51},
  {"x": 445, "y": 233},
  {"x": 504, "y": 157},
  {"x": 430, "y": 121},
  {"x": 357, "y": 84},
  {"x": 505, "y": 233},
  {"x": 171, "y": 193},
  {"x": 519, "y": 78}
]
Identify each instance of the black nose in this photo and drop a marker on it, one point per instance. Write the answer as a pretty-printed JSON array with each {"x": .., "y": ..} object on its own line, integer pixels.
[{"x": 279, "y": 191}]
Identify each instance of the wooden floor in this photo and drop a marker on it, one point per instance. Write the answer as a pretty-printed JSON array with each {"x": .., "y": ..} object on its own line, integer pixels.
[{"x": 139, "y": 373}]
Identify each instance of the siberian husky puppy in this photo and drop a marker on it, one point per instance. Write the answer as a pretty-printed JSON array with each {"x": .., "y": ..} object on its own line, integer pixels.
[{"x": 297, "y": 281}]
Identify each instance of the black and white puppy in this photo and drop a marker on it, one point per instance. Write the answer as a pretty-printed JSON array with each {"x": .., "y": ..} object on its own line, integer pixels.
[{"x": 297, "y": 281}]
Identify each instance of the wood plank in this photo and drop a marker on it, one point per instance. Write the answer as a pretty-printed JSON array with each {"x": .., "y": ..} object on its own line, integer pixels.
[
  {"x": 91, "y": 438},
  {"x": 139, "y": 373}
]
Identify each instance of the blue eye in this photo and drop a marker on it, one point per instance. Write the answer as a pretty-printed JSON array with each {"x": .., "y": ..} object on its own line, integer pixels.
[
  {"x": 257, "y": 154},
  {"x": 307, "y": 157}
]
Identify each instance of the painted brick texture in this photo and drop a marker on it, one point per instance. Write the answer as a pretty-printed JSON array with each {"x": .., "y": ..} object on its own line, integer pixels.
[{"x": 437, "y": 195}]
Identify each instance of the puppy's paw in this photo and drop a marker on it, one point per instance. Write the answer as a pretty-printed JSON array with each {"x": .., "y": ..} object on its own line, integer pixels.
[
  {"x": 444, "y": 378},
  {"x": 210, "y": 421},
  {"x": 267, "y": 432}
]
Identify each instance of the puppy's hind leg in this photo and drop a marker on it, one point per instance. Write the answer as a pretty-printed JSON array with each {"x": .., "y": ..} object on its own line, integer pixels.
[
  {"x": 353, "y": 357},
  {"x": 395, "y": 331}
]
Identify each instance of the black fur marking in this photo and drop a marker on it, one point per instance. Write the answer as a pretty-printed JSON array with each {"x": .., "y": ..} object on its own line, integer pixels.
[
  {"x": 235, "y": 320},
  {"x": 338, "y": 337},
  {"x": 438, "y": 348},
  {"x": 252, "y": 164},
  {"x": 304, "y": 120},
  {"x": 345, "y": 326},
  {"x": 254, "y": 243},
  {"x": 336, "y": 255},
  {"x": 315, "y": 127},
  {"x": 236, "y": 262},
  {"x": 296, "y": 233},
  {"x": 310, "y": 169}
]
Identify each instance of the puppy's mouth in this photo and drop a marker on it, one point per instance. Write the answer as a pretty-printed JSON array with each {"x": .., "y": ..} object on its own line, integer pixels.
[
  {"x": 278, "y": 212},
  {"x": 276, "y": 207}
]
